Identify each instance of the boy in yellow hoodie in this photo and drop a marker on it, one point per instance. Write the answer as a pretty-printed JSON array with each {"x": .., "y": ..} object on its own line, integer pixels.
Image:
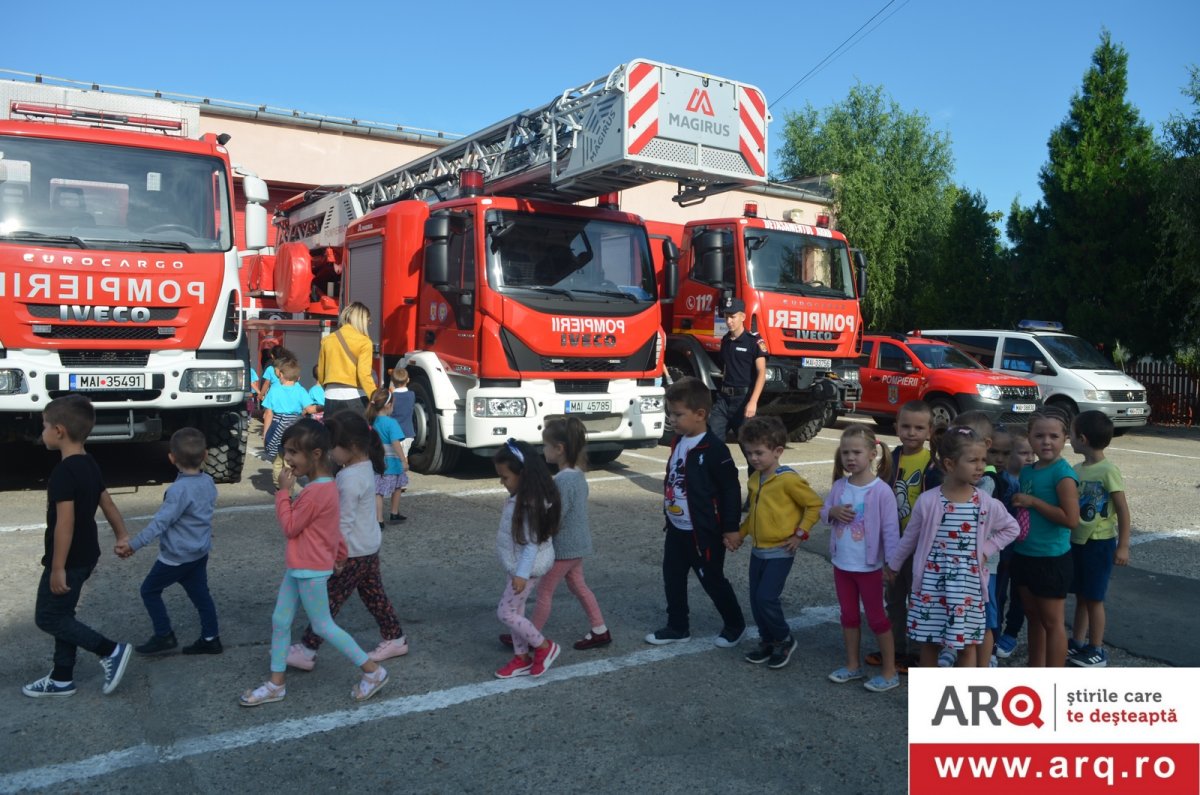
[{"x": 783, "y": 508}]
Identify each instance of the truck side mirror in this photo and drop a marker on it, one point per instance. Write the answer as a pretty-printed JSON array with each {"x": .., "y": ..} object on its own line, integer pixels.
[
  {"x": 437, "y": 250},
  {"x": 670, "y": 254},
  {"x": 860, "y": 271},
  {"x": 708, "y": 256},
  {"x": 255, "y": 219}
]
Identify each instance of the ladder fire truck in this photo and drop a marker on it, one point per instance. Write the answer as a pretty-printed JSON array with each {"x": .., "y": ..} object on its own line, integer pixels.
[
  {"x": 508, "y": 304},
  {"x": 118, "y": 269},
  {"x": 801, "y": 285}
]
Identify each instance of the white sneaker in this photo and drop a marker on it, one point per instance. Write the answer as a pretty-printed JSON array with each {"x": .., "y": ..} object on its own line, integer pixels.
[{"x": 388, "y": 649}]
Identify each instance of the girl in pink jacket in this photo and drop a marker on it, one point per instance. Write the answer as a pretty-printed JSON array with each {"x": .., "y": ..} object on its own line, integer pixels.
[{"x": 953, "y": 530}]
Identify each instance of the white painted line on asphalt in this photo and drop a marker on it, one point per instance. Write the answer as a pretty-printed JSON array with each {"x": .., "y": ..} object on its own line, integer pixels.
[
  {"x": 1163, "y": 535},
  {"x": 1154, "y": 452},
  {"x": 296, "y": 728}
]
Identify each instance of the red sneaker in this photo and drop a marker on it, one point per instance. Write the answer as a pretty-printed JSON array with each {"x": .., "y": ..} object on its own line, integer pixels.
[
  {"x": 543, "y": 658},
  {"x": 517, "y": 666}
]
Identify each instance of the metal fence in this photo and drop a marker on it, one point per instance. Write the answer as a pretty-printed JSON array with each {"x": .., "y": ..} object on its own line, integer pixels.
[{"x": 1172, "y": 390}]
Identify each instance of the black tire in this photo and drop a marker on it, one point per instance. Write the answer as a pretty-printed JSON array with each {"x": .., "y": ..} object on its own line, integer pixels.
[
  {"x": 807, "y": 430},
  {"x": 603, "y": 458},
  {"x": 943, "y": 410},
  {"x": 429, "y": 455},
  {"x": 832, "y": 415},
  {"x": 1066, "y": 406},
  {"x": 886, "y": 424},
  {"x": 225, "y": 435}
]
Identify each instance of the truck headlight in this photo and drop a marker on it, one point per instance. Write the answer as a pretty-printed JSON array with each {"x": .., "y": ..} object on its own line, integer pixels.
[
  {"x": 989, "y": 391},
  {"x": 650, "y": 405},
  {"x": 10, "y": 382},
  {"x": 774, "y": 375},
  {"x": 848, "y": 374},
  {"x": 1099, "y": 395},
  {"x": 499, "y": 407},
  {"x": 214, "y": 380}
]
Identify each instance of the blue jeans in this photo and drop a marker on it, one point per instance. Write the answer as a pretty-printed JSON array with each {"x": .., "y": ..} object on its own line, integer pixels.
[
  {"x": 767, "y": 577},
  {"x": 55, "y": 614},
  {"x": 194, "y": 579},
  {"x": 1014, "y": 618}
]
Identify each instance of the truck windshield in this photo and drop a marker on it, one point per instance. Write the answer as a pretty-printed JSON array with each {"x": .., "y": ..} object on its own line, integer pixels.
[
  {"x": 1074, "y": 353},
  {"x": 90, "y": 195},
  {"x": 576, "y": 258},
  {"x": 944, "y": 357},
  {"x": 789, "y": 262}
]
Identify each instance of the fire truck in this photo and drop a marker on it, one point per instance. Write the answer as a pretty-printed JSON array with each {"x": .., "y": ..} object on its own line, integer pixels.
[
  {"x": 801, "y": 285},
  {"x": 508, "y": 302},
  {"x": 118, "y": 269}
]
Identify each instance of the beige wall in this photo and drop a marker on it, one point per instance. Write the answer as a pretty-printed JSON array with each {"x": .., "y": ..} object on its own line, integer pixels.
[{"x": 305, "y": 156}]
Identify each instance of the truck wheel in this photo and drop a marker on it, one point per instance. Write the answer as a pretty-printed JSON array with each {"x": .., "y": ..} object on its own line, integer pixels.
[
  {"x": 430, "y": 455},
  {"x": 225, "y": 435},
  {"x": 807, "y": 429},
  {"x": 603, "y": 458},
  {"x": 943, "y": 411}
]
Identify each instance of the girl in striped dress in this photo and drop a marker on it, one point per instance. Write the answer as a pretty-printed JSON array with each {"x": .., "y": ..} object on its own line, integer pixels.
[{"x": 953, "y": 530}]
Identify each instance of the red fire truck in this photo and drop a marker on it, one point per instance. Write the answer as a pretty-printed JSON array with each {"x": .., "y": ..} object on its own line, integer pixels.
[
  {"x": 801, "y": 286},
  {"x": 118, "y": 270},
  {"x": 507, "y": 304}
]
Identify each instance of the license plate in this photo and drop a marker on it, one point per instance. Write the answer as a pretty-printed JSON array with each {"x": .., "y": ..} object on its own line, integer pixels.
[
  {"x": 808, "y": 361},
  {"x": 1137, "y": 412},
  {"x": 1024, "y": 408},
  {"x": 589, "y": 406},
  {"x": 99, "y": 381}
]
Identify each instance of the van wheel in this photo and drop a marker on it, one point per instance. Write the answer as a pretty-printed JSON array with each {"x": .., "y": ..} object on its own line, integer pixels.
[
  {"x": 603, "y": 458},
  {"x": 1066, "y": 406},
  {"x": 943, "y": 411},
  {"x": 430, "y": 455}
]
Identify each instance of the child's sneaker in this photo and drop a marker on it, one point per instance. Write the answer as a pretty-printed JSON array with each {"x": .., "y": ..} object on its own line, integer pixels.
[
  {"x": 396, "y": 517},
  {"x": 729, "y": 637},
  {"x": 947, "y": 657},
  {"x": 517, "y": 666},
  {"x": 661, "y": 637},
  {"x": 782, "y": 653},
  {"x": 760, "y": 655},
  {"x": 265, "y": 693},
  {"x": 397, "y": 647},
  {"x": 114, "y": 666},
  {"x": 204, "y": 646},
  {"x": 877, "y": 684},
  {"x": 157, "y": 644},
  {"x": 593, "y": 640},
  {"x": 302, "y": 657},
  {"x": 48, "y": 688},
  {"x": 1005, "y": 646},
  {"x": 370, "y": 684},
  {"x": 543, "y": 658},
  {"x": 1089, "y": 657}
]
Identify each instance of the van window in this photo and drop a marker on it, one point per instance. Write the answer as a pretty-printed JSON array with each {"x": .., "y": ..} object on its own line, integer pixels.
[
  {"x": 892, "y": 357},
  {"x": 982, "y": 349},
  {"x": 1018, "y": 354},
  {"x": 1075, "y": 354}
]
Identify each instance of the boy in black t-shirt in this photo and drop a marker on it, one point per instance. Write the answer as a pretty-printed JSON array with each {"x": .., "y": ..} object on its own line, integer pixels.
[{"x": 75, "y": 491}]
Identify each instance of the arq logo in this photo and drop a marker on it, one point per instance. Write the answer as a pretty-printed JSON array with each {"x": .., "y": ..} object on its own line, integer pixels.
[{"x": 1021, "y": 706}]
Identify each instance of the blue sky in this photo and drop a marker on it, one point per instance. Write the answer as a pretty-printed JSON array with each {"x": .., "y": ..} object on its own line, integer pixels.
[{"x": 997, "y": 77}]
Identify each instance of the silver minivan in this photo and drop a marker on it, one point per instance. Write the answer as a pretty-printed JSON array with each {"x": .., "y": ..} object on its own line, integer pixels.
[{"x": 1070, "y": 372}]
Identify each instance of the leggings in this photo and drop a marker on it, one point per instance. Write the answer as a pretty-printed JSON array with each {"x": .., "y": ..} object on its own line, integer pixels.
[
  {"x": 572, "y": 571},
  {"x": 851, "y": 586},
  {"x": 309, "y": 591},
  {"x": 511, "y": 612},
  {"x": 361, "y": 573}
]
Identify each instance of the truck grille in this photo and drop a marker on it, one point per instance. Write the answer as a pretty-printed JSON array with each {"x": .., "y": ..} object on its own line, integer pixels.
[
  {"x": 106, "y": 333},
  {"x": 1019, "y": 392},
  {"x": 104, "y": 358},
  {"x": 808, "y": 345},
  {"x": 555, "y": 364},
  {"x": 579, "y": 386},
  {"x": 113, "y": 395},
  {"x": 50, "y": 311}
]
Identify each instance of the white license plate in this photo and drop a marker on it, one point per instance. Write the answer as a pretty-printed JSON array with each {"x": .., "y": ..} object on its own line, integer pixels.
[
  {"x": 589, "y": 406},
  {"x": 808, "y": 361},
  {"x": 86, "y": 381},
  {"x": 1137, "y": 412},
  {"x": 1024, "y": 408}
]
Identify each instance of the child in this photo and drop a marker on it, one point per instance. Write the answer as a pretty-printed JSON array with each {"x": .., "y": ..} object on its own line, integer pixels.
[
  {"x": 1042, "y": 567},
  {"x": 915, "y": 473},
  {"x": 391, "y": 483},
  {"x": 269, "y": 376},
  {"x": 861, "y": 512},
  {"x": 529, "y": 521},
  {"x": 315, "y": 547},
  {"x": 316, "y": 394},
  {"x": 783, "y": 509},
  {"x": 702, "y": 500},
  {"x": 359, "y": 453},
  {"x": 74, "y": 491},
  {"x": 953, "y": 529},
  {"x": 183, "y": 526},
  {"x": 563, "y": 444},
  {"x": 1101, "y": 539},
  {"x": 286, "y": 402},
  {"x": 1020, "y": 455},
  {"x": 403, "y": 402}
]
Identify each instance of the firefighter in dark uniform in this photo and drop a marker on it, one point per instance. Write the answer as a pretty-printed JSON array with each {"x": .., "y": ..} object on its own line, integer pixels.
[{"x": 744, "y": 363}]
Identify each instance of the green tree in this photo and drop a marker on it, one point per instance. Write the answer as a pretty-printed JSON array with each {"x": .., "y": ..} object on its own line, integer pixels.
[
  {"x": 1177, "y": 275},
  {"x": 893, "y": 187},
  {"x": 966, "y": 282},
  {"x": 1085, "y": 249}
]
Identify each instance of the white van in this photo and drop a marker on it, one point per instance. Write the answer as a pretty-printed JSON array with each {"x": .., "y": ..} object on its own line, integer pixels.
[{"x": 1070, "y": 372}]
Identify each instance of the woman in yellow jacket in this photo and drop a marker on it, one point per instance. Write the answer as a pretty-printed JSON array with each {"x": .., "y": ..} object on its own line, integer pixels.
[
  {"x": 344, "y": 367},
  {"x": 783, "y": 508}
]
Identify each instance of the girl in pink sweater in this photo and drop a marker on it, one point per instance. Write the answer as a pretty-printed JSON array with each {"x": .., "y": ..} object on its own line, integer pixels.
[{"x": 315, "y": 548}]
